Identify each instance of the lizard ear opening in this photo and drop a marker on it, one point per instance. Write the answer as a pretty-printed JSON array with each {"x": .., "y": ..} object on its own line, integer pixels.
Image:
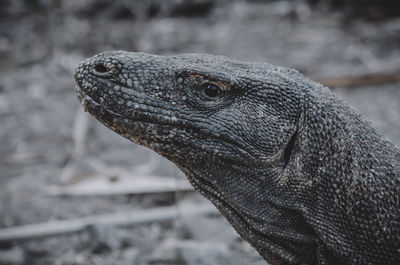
[{"x": 289, "y": 147}]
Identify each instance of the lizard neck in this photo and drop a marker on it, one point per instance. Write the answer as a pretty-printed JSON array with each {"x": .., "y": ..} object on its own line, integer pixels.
[{"x": 344, "y": 154}]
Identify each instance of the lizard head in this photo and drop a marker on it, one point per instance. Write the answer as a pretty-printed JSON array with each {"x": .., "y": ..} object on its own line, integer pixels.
[
  {"x": 194, "y": 106},
  {"x": 230, "y": 126}
]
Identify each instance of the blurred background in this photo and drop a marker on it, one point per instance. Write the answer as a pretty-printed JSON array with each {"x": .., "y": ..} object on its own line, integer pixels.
[{"x": 73, "y": 192}]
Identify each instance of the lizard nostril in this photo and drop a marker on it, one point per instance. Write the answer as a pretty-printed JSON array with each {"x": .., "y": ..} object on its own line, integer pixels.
[{"x": 100, "y": 68}]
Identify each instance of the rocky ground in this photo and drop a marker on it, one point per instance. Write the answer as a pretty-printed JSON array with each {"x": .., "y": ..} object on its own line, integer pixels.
[{"x": 46, "y": 142}]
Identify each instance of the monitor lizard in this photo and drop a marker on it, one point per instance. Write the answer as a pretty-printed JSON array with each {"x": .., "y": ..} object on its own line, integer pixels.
[{"x": 298, "y": 173}]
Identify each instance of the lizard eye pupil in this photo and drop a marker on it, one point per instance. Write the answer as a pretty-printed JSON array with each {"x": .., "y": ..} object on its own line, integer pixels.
[{"x": 211, "y": 90}]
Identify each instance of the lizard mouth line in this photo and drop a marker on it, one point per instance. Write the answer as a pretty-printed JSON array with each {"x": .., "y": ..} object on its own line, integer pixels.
[{"x": 140, "y": 117}]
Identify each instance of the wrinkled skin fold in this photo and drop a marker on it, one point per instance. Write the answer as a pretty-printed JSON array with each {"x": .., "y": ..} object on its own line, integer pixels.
[{"x": 299, "y": 174}]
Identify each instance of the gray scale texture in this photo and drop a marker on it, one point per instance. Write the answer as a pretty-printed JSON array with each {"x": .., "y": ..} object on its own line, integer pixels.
[{"x": 298, "y": 173}]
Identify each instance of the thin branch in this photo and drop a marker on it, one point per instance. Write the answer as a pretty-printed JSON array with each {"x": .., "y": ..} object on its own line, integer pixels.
[
  {"x": 373, "y": 79},
  {"x": 133, "y": 217}
]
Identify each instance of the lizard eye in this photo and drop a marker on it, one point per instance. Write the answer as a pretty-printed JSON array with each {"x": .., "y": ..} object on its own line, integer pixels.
[{"x": 211, "y": 91}]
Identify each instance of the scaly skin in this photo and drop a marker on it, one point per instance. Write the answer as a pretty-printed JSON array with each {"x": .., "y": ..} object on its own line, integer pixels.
[{"x": 298, "y": 173}]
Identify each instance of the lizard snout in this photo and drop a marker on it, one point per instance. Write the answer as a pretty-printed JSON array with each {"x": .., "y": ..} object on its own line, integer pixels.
[{"x": 102, "y": 66}]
